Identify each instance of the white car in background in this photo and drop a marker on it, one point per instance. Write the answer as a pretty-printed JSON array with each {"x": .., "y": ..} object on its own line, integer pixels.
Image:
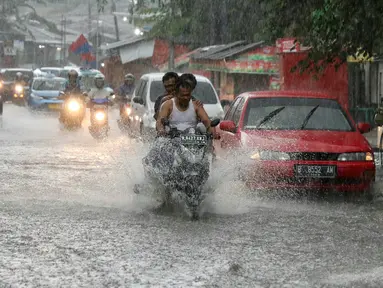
[{"x": 150, "y": 87}]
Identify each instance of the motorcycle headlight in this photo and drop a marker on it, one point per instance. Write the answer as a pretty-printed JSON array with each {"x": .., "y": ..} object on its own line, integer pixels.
[
  {"x": 361, "y": 156},
  {"x": 128, "y": 110},
  {"x": 270, "y": 155},
  {"x": 100, "y": 116},
  {"x": 73, "y": 106},
  {"x": 19, "y": 88}
]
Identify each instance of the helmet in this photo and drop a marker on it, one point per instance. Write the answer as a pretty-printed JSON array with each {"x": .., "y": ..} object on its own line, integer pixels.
[
  {"x": 99, "y": 81},
  {"x": 72, "y": 73},
  {"x": 129, "y": 76},
  {"x": 19, "y": 75}
]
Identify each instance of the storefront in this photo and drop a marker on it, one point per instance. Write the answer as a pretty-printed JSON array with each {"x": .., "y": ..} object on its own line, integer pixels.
[{"x": 239, "y": 67}]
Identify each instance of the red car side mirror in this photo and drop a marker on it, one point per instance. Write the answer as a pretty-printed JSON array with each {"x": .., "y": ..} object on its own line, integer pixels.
[
  {"x": 228, "y": 125},
  {"x": 364, "y": 127}
]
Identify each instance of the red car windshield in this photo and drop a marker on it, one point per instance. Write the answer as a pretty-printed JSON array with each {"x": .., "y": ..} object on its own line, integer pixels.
[{"x": 295, "y": 114}]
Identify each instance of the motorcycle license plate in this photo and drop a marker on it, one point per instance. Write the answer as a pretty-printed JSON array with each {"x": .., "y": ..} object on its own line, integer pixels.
[
  {"x": 54, "y": 106},
  {"x": 194, "y": 139}
]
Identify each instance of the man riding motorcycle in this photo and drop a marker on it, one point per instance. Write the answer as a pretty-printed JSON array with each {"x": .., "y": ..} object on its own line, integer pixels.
[
  {"x": 72, "y": 89},
  {"x": 100, "y": 91},
  {"x": 125, "y": 91},
  {"x": 128, "y": 87},
  {"x": 183, "y": 113},
  {"x": 170, "y": 80},
  {"x": 72, "y": 85},
  {"x": 181, "y": 110},
  {"x": 19, "y": 80}
]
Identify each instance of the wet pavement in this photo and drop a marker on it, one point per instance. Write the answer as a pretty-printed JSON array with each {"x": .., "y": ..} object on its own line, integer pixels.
[{"x": 69, "y": 218}]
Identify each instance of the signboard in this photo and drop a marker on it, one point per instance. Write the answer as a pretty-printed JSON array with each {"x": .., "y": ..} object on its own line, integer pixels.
[
  {"x": 286, "y": 45},
  {"x": 9, "y": 51}
]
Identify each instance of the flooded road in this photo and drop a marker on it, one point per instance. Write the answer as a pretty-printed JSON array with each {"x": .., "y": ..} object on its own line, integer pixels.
[{"x": 69, "y": 218}]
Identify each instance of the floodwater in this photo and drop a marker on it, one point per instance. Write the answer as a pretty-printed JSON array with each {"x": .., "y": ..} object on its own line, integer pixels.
[{"x": 69, "y": 218}]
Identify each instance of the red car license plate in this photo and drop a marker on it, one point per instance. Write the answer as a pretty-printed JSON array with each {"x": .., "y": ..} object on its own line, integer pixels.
[{"x": 315, "y": 171}]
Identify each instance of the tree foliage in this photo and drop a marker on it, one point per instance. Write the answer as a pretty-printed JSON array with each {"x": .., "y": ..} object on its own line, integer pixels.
[{"x": 333, "y": 28}]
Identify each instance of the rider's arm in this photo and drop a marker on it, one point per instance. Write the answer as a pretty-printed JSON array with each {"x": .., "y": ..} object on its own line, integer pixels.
[
  {"x": 202, "y": 115},
  {"x": 165, "y": 111}
]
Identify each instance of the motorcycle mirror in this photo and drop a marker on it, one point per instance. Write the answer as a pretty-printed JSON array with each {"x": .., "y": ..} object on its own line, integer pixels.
[
  {"x": 215, "y": 122},
  {"x": 61, "y": 93}
]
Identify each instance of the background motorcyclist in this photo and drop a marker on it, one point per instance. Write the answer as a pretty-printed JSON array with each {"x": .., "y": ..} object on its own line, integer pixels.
[
  {"x": 71, "y": 89},
  {"x": 100, "y": 91},
  {"x": 73, "y": 83},
  {"x": 181, "y": 110},
  {"x": 125, "y": 91},
  {"x": 19, "y": 80},
  {"x": 128, "y": 87}
]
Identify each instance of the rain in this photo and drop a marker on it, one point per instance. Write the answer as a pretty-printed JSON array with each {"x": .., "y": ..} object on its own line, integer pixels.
[{"x": 285, "y": 191}]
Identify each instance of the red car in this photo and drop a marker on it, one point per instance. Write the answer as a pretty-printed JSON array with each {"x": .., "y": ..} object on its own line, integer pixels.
[{"x": 298, "y": 139}]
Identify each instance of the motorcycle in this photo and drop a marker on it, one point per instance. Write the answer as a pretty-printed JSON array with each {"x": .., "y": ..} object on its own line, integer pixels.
[
  {"x": 99, "y": 122},
  {"x": 73, "y": 111},
  {"x": 124, "y": 123},
  {"x": 185, "y": 167},
  {"x": 18, "y": 95}
]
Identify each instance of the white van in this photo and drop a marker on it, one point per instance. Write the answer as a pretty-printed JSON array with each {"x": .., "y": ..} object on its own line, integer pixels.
[{"x": 150, "y": 87}]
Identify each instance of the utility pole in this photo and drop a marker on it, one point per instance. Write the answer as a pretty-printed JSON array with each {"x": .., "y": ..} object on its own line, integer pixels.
[
  {"x": 64, "y": 48},
  {"x": 89, "y": 19},
  {"x": 62, "y": 41},
  {"x": 115, "y": 20},
  {"x": 97, "y": 33},
  {"x": 171, "y": 42}
]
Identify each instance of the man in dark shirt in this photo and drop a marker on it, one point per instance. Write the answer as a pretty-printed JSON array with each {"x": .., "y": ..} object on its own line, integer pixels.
[{"x": 170, "y": 80}]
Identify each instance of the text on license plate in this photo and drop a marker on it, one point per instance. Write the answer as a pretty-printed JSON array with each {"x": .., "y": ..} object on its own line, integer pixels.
[
  {"x": 193, "y": 139},
  {"x": 54, "y": 106},
  {"x": 315, "y": 171}
]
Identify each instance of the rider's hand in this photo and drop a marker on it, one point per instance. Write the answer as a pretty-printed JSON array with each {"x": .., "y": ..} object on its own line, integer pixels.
[
  {"x": 166, "y": 98},
  {"x": 161, "y": 133},
  {"x": 199, "y": 103}
]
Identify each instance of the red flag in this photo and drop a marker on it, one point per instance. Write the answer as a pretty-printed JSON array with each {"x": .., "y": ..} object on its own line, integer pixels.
[{"x": 81, "y": 41}]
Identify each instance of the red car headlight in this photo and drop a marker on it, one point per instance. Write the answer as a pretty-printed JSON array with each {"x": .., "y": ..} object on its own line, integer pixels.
[{"x": 361, "y": 156}]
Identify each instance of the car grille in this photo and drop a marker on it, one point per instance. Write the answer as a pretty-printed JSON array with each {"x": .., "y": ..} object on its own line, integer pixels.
[
  {"x": 49, "y": 98},
  {"x": 313, "y": 156}
]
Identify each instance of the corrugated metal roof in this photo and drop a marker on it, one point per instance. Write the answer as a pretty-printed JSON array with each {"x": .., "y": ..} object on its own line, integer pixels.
[
  {"x": 234, "y": 51},
  {"x": 118, "y": 44},
  {"x": 206, "y": 52}
]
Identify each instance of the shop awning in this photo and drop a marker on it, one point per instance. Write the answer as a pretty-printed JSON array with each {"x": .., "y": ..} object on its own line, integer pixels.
[
  {"x": 257, "y": 60},
  {"x": 138, "y": 50},
  {"x": 179, "y": 61}
]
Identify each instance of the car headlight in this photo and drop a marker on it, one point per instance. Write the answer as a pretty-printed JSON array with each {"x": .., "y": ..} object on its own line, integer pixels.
[
  {"x": 36, "y": 97},
  {"x": 270, "y": 155},
  {"x": 361, "y": 156},
  {"x": 19, "y": 88},
  {"x": 73, "y": 106}
]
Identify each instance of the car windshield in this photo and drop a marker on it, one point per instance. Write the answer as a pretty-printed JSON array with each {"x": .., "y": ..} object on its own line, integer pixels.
[
  {"x": 295, "y": 114},
  {"x": 49, "y": 85},
  {"x": 203, "y": 92},
  {"x": 51, "y": 71},
  {"x": 10, "y": 75}
]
